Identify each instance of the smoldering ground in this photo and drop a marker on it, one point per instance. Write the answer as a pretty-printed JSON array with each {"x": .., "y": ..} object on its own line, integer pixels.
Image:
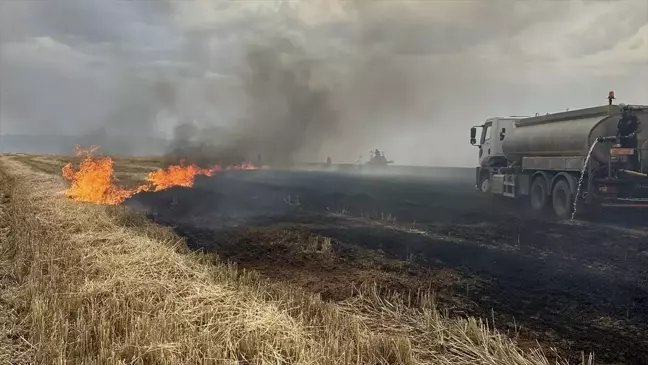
[{"x": 436, "y": 224}]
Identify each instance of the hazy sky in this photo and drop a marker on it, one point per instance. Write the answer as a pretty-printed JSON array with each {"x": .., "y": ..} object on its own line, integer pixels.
[{"x": 409, "y": 77}]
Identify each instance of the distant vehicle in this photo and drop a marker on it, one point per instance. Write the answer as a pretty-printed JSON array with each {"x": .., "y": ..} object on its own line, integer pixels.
[
  {"x": 542, "y": 158},
  {"x": 376, "y": 158}
]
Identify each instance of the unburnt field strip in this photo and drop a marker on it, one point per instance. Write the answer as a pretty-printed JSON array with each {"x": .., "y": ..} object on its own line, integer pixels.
[{"x": 90, "y": 284}]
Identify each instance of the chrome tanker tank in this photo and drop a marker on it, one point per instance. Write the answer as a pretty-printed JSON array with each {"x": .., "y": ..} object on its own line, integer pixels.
[{"x": 570, "y": 134}]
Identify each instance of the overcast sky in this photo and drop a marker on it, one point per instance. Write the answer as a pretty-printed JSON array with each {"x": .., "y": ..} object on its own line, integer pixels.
[{"x": 409, "y": 77}]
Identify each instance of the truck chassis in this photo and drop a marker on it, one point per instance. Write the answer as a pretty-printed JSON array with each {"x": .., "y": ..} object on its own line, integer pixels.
[{"x": 601, "y": 186}]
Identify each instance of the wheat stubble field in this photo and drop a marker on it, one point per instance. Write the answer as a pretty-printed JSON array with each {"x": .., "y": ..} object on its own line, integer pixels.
[{"x": 95, "y": 284}]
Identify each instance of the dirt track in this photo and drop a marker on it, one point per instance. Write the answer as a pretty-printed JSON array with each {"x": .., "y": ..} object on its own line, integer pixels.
[{"x": 578, "y": 287}]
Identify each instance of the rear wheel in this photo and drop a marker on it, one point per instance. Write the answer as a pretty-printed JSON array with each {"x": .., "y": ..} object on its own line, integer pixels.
[
  {"x": 539, "y": 193},
  {"x": 563, "y": 199}
]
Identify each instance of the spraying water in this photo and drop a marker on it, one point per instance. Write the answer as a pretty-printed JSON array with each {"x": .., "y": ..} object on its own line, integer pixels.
[{"x": 580, "y": 180}]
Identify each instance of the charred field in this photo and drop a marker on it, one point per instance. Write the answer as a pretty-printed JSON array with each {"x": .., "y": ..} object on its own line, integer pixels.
[
  {"x": 577, "y": 287},
  {"x": 569, "y": 289}
]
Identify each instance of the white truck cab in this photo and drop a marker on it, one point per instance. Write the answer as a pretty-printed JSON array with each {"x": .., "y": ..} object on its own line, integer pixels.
[{"x": 493, "y": 132}]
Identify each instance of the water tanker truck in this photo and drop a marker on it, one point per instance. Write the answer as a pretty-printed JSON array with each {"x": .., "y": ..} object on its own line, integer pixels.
[{"x": 598, "y": 154}]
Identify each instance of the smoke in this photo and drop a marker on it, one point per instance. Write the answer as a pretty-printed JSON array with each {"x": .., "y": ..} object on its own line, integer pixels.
[
  {"x": 293, "y": 81},
  {"x": 300, "y": 107},
  {"x": 79, "y": 72},
  {"x": 375, "y": 78},
  {"x": 286, "y": 112},
  {"x": 406, "y": 77}
]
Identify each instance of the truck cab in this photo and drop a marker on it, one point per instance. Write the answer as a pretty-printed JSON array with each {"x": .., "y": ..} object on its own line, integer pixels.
[
  {"x": 491, "y": 154},
  {"x": 493, "y": 132}
]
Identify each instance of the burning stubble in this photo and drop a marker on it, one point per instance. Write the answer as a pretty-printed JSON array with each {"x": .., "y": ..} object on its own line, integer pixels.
[{"x": 94, "y": 181}]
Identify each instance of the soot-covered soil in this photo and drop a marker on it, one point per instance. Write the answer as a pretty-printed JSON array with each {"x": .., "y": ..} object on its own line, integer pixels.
[{"x": 578, "y": 287}]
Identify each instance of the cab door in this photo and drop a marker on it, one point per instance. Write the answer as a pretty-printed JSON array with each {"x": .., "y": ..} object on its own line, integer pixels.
[{"x": 485, "y": 144}]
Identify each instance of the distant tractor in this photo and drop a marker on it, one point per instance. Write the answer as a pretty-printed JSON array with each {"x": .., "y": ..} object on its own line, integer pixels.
[{"x": 376, "y": 158}]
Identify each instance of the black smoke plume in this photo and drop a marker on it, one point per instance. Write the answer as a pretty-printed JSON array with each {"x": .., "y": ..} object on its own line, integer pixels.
[{"x": 286, "y": 113}]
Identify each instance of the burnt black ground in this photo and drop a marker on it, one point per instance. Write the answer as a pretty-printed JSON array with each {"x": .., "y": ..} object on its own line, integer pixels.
[{"x": 581, "y": 287}]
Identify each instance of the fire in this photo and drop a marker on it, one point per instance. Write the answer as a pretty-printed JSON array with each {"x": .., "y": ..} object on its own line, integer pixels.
[
  {"x": 94, "y": 181},
  {"x": 177, "y": 175}
]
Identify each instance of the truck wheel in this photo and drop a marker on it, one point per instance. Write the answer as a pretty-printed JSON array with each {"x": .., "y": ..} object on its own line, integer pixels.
[
  {"x": 484, "y": 183},
  {"x": 538, "y": 193},
  {"x": 563, "y": 199}
]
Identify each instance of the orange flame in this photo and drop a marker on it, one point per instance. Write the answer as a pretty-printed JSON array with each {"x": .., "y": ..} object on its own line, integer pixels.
[
  {"x": 176, "y": 175},
  {"x": 93, "y": 181}
]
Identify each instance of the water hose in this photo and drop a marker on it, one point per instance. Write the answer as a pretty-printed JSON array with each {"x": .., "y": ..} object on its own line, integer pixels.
[{"x": 635, "y": 173}]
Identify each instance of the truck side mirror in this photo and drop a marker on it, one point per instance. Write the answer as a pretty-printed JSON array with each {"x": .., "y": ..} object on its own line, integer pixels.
[
  {"x": 502, "y": 134},
  {"x": 473, "y": 133}
]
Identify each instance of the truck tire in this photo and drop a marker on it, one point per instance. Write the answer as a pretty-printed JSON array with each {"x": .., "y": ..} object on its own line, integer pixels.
[
  {"x": 562, "y": 199},
  {"x": 538, "y": 194},
  {"x": 484, "y": 183}
]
